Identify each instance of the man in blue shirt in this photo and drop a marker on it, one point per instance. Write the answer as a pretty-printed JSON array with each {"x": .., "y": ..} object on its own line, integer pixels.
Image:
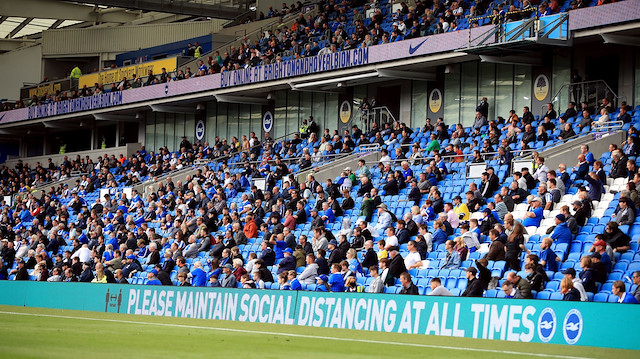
[
  {"x": 534, "y": 216},
  {"x": 336, "y": 281},
  {"x": 199, "y": 278},
  {"x": 152, "y": 279},
  {"x": 562, "y": 233},
  {"x": 618, "y": 289},
  {"x": 588, "y": 156},
  {"x": 548, "y": 257}
]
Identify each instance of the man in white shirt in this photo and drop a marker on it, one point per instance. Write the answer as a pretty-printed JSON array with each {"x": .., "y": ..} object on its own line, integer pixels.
[
  {"x": 84, "y": 253},
  {"x": 308, "y": 276},
  {"x": 392, "y": 240},
  {"x": 377, "y": 286},
  {"x": 438, "y": 290},
  {"x": 384, "y": 219},
  {"x": 385, "y": 159},
  {"x": 413, "y": 259}
]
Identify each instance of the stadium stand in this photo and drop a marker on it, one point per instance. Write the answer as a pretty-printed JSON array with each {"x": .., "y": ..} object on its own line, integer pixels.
[{"x": 545, "y": 230}]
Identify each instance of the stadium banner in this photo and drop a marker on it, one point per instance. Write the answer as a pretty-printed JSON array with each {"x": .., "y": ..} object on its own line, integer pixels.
[
  {"x": 535, "y": 321},
  {"x": 116, "y": 75},
  {"x": 297, "y": 67},
  {"x": 45, "y": 88}
]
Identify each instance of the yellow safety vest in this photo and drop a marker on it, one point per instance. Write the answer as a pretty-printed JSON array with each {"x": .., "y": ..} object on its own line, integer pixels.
[
  {"x": 198, "y": 52},
  {"x": 63, "y": 149}
]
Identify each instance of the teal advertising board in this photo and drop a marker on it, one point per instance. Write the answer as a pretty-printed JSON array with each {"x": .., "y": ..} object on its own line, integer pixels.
[{"x": 536, "y": 321}]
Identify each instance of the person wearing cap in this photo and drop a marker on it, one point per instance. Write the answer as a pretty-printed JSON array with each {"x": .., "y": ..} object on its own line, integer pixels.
[
  {"x": 474, "y": 286},
  {"x": 570, "y": 273},
  {"x": 599, "y": 247},
  {"x": 384, "y": 219},
  {"x": 322, "y": 283},
  {"x": 229, "y": 280},
  {"x": 87, "y": 274},
  {"x": 133, "y": 265},
  {"x": 488, "y": 221},
  {"x": 619, "y": 290},
  {"x": 288, "y": 262},
  {"x": 152, "y": 278},
  {"x": 561, "y": 233},
  {"x": 20, "y": 272},
  {"x": 534, "y": 216},
  {"x": 460, "y": 208}
]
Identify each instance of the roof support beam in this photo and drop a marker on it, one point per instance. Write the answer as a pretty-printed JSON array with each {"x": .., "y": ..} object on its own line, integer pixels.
[
  {"x": 56, "y": 24},
  {"x": 621, "y": 39},
  {"x": 19, "y": 27},
  {"x": 47, "y": 9}
]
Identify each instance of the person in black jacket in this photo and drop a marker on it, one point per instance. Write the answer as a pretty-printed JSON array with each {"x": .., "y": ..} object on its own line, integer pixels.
[
  {"x": 484, "y": 275},
  {"x": 163, "y": 276},
  {"x": 407, "y": 284},
  {"x": 87, "y": 274},
  {"x": 391, "y": 187},
  {"x": 265, "y": 274},
  {"x": 365, "y": 186},
  {"x": 321, "y": 261},
  {"x": 348, "y": 202},
  {"x": 396, "y": 262},
  {"x": 370, "y": 256},
  {"x": 474, "y": 286},
  {"x": 414, "y": 193}
]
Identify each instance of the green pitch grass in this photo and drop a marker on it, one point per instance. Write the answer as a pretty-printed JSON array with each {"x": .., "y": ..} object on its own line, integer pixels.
[{"x": 48, "y": 333}]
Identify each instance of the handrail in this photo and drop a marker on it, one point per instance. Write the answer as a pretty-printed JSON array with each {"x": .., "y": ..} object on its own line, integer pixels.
[
  {"x": 366, "y": 115},
  {"x": 581, "y": 92}
]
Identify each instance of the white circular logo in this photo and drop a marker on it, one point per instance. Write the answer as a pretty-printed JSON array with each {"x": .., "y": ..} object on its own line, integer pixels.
[
  {"x": 200, "y": 130},
  {"x": 267, "y": 121},
  {"x": 572, "y": 326},
  {"x": 546, "y": 325}
]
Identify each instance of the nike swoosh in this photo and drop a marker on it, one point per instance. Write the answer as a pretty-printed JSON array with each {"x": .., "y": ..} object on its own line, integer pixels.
[
  {"x": 1, "y": 117},
  {"x": 414, "y": 49}
]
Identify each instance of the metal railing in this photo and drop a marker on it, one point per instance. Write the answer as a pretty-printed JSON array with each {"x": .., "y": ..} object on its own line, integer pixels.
[
  {"x": 378, "y": 115},
  {"x": 587, "y": 91}
]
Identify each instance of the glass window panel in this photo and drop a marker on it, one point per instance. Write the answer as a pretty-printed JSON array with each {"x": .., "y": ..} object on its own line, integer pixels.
[
  {"x": 293, "y": 107},
  {"x": 469, "y": 99},
  {"x": 331, "y": 118},
  {"x": 280, "y": 115},
  {"x": 319, "y": 108},
  {"x": 169, "y": 128},
  {"x": 486, "y": 85},
  {"x": 419, "y": 103},
  {"x": 561, "y": 75},
  {"x": 159, "y": 142},
  {"x": 637, "y": 82},
  {"x": 245, "y": 121},
  {"x": 180, "y": 131},
  {"x": 306, "y": 108},
  {"x": 190, "y": 127},
  {"x": 222, "y": 121},
  {"x": 504, "y": 90},
  {"x": 522, "y": 88},
  {"x": 149, "y": 133},
  {"x": 452, "y": 95},
  {"x": 233, "y": 122},
  {"x": 211, "y": 122},
  {"x": 256, "y": 119}
]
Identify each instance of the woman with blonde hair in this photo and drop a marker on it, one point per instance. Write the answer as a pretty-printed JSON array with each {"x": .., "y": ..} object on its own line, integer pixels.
[
  {"x": 568, "y": 290},
  {"x": 100, "y": 276}
]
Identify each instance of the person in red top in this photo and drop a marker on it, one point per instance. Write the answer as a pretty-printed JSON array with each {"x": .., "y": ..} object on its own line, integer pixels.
[
  {"x": 250, "y": 228},
  {"x": 289, "y": 220}
]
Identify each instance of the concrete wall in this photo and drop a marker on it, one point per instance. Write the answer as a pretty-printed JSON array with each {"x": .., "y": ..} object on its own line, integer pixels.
[{"x": 20, "y": 66}]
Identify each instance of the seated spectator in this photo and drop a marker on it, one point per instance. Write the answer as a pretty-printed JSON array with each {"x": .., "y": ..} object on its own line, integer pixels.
[
  {"x": 437, "y": 289},
  {"x": 618, "y": 289},
  {"x": 452, "y": 260},
  {"x": 570, "y": 293}
]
